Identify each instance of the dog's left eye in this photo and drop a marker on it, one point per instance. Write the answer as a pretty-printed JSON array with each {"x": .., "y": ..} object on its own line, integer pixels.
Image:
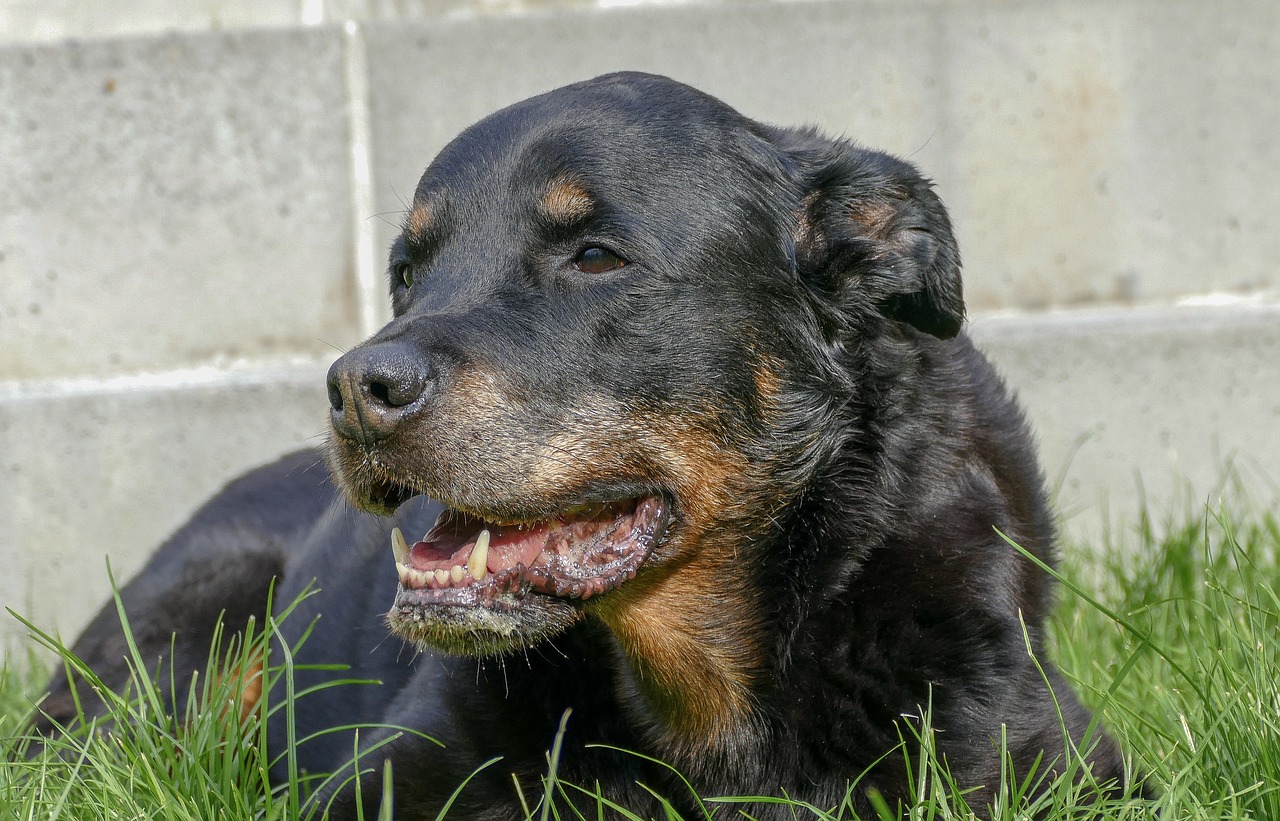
[
  {"x": 404, "y": 274},
  {"x": 597, "y": 260}
]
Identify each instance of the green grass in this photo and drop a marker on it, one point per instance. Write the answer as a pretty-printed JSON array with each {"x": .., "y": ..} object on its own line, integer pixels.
[
  {"x": 1176, "y": 639},
  {"x": 1196, "y": 617}
]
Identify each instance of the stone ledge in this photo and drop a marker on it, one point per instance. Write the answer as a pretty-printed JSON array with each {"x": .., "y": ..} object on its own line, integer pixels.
[{"x": 169, "y": 202}]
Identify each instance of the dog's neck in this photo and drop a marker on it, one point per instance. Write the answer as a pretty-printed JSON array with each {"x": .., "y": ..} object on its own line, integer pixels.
[{"x": 690, "y": 658}]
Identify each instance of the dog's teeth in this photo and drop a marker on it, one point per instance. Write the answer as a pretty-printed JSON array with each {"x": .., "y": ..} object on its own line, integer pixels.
[
  {"x": 411, "y": 578},
  {"x": 442, "y": 576},
  {"x": 399, "y": 546},
  {"x": 479, "y": 556},
  {"x": 455, "y": 573}
]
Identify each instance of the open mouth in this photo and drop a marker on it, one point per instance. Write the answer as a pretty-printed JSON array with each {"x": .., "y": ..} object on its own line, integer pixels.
[{"x": 465, "y": 560}]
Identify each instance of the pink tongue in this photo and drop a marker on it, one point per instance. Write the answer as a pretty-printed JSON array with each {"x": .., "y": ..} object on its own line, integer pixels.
[
  {"x": 450, "y": 543},
  {"x": 509, "y": 546}
]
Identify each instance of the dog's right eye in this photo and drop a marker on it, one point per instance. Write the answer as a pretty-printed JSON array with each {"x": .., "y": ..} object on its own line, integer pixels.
[
  {"x": 404, "y": 274},
  {"x": 597, "y": 260}
]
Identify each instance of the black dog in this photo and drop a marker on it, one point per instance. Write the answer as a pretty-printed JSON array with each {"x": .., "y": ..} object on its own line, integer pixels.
[{"x": 718, "y": 472}]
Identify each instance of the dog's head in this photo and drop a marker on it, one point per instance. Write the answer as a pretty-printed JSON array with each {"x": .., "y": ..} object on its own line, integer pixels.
[{"x": 623, "y": 323}]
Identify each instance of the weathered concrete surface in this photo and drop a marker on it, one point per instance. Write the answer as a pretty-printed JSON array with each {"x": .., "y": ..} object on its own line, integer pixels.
[
  {"x": 91, "y": 471},
  {"x": 1135, "y": 407},
  {"x": 173, "y": 202}
]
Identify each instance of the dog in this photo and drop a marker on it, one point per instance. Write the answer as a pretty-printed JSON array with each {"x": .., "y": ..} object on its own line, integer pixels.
[{"x": 681, "y": 405}]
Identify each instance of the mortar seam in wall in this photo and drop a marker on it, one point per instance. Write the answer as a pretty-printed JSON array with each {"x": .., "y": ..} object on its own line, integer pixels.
[
  {"x": 1184, "y": 317},
  {"x": 356, "y": 69},
  {"x": 301, "y": 372}
]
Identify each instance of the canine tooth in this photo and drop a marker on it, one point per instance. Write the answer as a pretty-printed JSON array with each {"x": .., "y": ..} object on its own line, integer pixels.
[
  {"x": 479, "y": 556},
  {"x": 455, "y": 573},
  {"x": 399, "y": 546},
  {"x": 402, "y": 570}
]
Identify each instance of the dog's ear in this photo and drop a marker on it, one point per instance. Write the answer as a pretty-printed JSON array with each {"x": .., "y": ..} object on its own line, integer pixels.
[{"x": 872, "y": 232}]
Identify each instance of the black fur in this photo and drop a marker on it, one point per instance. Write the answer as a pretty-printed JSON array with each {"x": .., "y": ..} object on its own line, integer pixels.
[{"x": 778, "y": 357}]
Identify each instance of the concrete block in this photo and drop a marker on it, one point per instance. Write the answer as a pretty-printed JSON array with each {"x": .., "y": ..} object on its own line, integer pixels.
[
  {"x": 173, "y": 202},
  {"x": 94, "y": 471},
  {"x": 28, "y": 20},
  {"x": 1136, "y": 407},
  {"x": 1112, "y": 152},
  {"x": 1091, "y": 152}
]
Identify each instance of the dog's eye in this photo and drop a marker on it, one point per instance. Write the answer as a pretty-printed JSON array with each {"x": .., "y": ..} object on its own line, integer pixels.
[
  {"x": 404, "y": 274},
  {"x": 597, "y": 260}
]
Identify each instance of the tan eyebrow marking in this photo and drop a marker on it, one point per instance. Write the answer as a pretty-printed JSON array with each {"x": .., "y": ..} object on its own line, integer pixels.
[
  {"x": 566, "y": 200},
  {"x": 420, "y": 218}
]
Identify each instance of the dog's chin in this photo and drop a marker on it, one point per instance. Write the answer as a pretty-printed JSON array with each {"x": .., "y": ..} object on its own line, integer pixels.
[
  {"x": 481, "y": 630},
  {"x": 480, "y": 585}
]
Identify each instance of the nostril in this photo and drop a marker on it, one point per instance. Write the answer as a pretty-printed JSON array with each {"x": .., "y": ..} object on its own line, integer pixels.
[
  {"x": 381, "y": 392},
  {"x": 395, "y": 382},
  {"x": 335, "y": 395}
]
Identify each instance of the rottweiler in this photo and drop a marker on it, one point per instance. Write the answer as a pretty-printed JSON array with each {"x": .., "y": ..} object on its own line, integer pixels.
[{"x": 679, "y": 419}]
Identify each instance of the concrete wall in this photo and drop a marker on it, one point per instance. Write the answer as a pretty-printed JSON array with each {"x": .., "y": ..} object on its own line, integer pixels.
[{"x": 192, "y": 224}]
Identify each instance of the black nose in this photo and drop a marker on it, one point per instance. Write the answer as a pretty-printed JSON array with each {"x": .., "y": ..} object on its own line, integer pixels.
[{"x": 373, "y": 389}]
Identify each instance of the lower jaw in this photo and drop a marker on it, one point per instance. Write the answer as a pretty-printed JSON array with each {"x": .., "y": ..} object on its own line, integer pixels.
[{"x": 505, "y": 624}]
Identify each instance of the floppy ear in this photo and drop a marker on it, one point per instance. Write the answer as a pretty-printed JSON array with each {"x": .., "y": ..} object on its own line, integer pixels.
[{"x": 873, "y": 234}]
